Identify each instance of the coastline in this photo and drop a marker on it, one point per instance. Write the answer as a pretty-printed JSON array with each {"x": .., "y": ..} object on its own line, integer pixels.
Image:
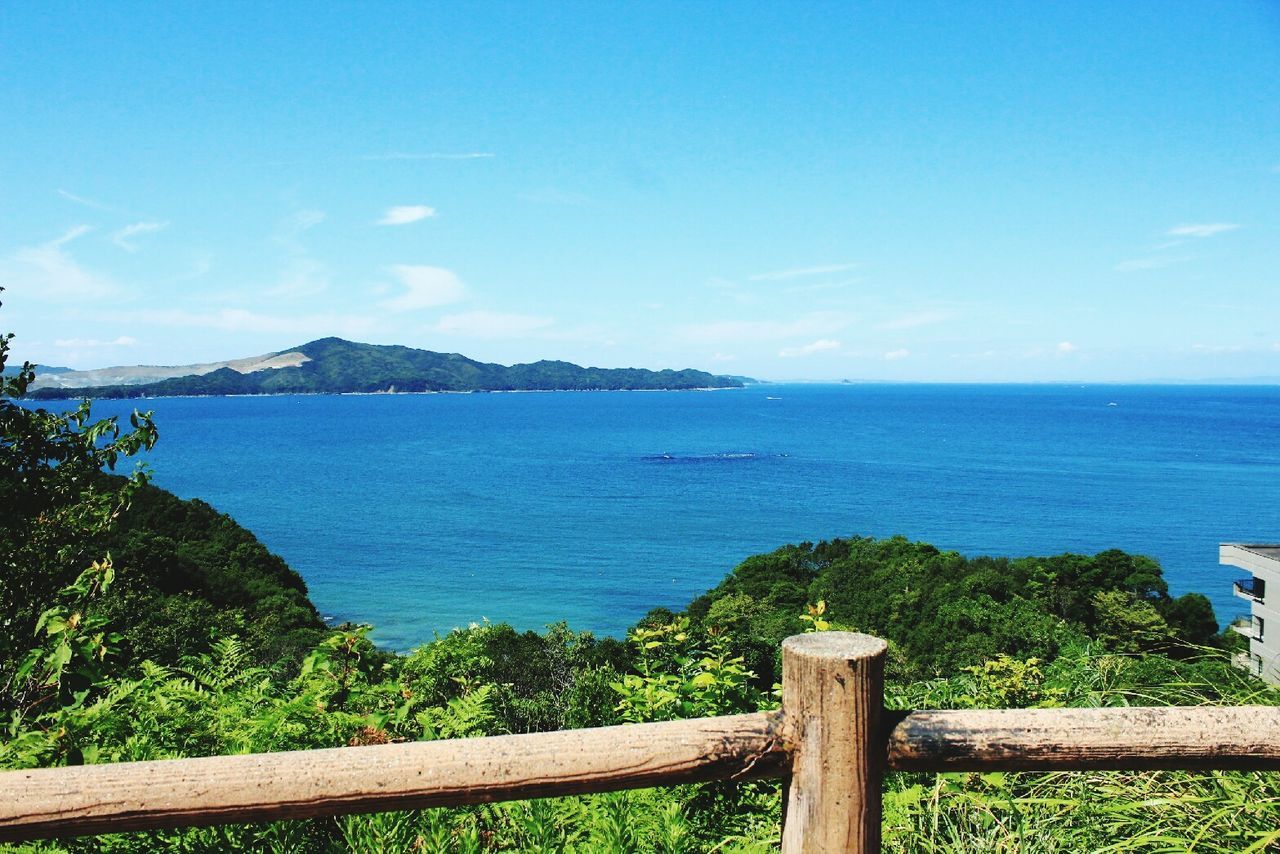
[{"x": 386, "y": 393}]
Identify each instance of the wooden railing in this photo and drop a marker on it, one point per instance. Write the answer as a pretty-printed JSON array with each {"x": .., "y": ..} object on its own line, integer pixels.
[{"x": 832, "y": 741}]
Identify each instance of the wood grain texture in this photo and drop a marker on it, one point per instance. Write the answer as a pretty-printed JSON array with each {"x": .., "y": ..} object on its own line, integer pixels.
[
  {"x": 1164, "y": 737},
  {"x": 833, "y": 742},
  {"x": 833, "y": 696},
  {"x": 57, "y": 802}
]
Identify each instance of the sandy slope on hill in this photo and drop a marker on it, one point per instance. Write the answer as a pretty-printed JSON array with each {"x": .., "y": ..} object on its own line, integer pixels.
[{"x": 139, "y": 374}]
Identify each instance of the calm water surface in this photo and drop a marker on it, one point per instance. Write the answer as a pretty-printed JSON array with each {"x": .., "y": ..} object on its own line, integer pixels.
[{"x": 418, "y": 513}]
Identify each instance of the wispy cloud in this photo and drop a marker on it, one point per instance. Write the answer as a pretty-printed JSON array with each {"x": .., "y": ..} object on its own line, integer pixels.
[
  {"x": 1204, "y": 229},
  {"x": 490, "y": 324},
  {"x": 47, "y": 272},
  {"x": 1152, "y": 263},
  {"x": 302, "y": 276},
  {"x": 915, "y": 320},
  {"x": 302, "y": 220},
  {"x": 1217, "y": 349},
  {"x": 201, "y": 264},
  {"x": 781, "y": 275},
  {"x": 1183, "y": 233},
  {"x": 290, "y": 229},
  {"x": 425, "y": 287},
  {"x": 73, "y": 233},
  {"x": 121, "y": 237},
  {"x": 895, "y": 355},
  {"x": 405, "y": 214},
  {"x": 820, "y": 286},
  {"x": 430, "y": 155},
  {"x": 89, "y": 203},
  {"x": 1066, "y": 347},
  {"x": 819, "y": 346},
  {"x": 87, "y": 343}
]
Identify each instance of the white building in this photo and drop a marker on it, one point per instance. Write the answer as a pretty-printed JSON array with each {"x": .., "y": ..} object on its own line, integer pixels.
[{"x": 1262, "y": 591}]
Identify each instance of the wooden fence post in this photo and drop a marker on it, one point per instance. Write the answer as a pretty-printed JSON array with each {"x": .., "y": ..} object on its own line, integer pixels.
[{"x": 832, "y": 702}]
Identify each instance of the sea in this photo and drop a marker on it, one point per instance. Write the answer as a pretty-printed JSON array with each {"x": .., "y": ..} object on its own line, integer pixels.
[{"x": 421, "y": 513}]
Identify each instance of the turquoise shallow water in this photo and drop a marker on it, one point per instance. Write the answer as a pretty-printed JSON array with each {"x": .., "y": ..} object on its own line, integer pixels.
[{"x": 418, "y": 513}]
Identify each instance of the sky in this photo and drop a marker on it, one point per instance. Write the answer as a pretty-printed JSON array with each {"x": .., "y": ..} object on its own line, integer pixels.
[{"x": 953, "y": 192}]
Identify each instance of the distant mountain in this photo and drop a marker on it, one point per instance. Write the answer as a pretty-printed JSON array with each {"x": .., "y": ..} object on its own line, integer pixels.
[
  {"x": 335, "y": 366},
  {"x": 14, "y": 370},
  {"x": 142, "y": 374}
]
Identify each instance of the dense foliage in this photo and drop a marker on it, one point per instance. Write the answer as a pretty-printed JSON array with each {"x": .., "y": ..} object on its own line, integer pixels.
[
  {"x": 942, "y": 611},
  {"x": 57, "y": 508},
  {"x": 336, "y": 366},
  {"x": 187, "y": 575},
  {"x": 139, "y": 626}
]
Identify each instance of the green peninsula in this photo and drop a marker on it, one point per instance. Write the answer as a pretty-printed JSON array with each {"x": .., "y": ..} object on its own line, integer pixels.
[{"x": 336, "y": 366}]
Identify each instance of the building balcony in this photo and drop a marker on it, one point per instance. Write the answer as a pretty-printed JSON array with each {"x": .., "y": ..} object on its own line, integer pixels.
[
  {"x": 1247, "y": 662},
  {"x": 1252, "y": 589},
  {"x": 1247, "y": 627}
]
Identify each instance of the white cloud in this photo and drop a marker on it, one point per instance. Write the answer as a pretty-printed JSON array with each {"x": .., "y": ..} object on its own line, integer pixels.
[
  {"x": 305, "y": 219},
  {"x": 895, "y": 355},
  {"x": 292, "y": 227},
  {"x": 200, "y": 265},
  {"x": 82, "y": 343},
  {"x": 726, "y": 357},
  {"x": 121, "y": 237},
  {"x": 397, "y": 155},
  {"x": 1066, "y": 347},
  {"x": 819, "y": 346},
  {"x": 1217, "y": 348},
  {"x": 425, "y": 287},
  {"x": 1204, "y": 229},
  {"x": 489, "y": 324},
  {"x": 915, "y": 319},
  {"x": 47, "y": 272},
  {"x": 820, "y": 286},
  {"x": 73, "y": 233},
  {"x": 816, "y": 324},
  {"x": 779, "y": 275},
  {"x": 1154, "y": 263},
  {"x": 88, "y": 203},
  {"x": 303, "y": 276},
  {"x": 405, "y": 214}
]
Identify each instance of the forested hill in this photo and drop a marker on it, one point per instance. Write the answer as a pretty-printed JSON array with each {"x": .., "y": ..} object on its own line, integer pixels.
[
  {"x": 942, "y": 612},
  {"x": 336, "y": 366},
  {"x": 187, "y": 574}
]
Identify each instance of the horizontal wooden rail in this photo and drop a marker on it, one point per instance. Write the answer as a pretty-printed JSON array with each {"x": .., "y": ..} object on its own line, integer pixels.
[
  {"x": 53, "y": 802},
  {"x": 50, "y": 802},
  {"x": 1190, "y": 738}
]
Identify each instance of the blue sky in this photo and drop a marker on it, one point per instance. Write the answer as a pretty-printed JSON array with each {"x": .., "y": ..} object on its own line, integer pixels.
[{"x": 952, "y": 191}]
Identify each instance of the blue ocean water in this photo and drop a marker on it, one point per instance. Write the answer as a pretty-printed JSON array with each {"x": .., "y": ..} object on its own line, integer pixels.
[{"x": 418, "y": 513}]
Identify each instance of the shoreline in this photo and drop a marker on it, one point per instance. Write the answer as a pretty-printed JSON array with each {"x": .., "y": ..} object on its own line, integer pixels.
[{"x": 384, "y": 393}]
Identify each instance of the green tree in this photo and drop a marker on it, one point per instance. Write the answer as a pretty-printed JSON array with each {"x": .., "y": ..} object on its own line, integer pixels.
[{"x": 57, "y": 505}]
